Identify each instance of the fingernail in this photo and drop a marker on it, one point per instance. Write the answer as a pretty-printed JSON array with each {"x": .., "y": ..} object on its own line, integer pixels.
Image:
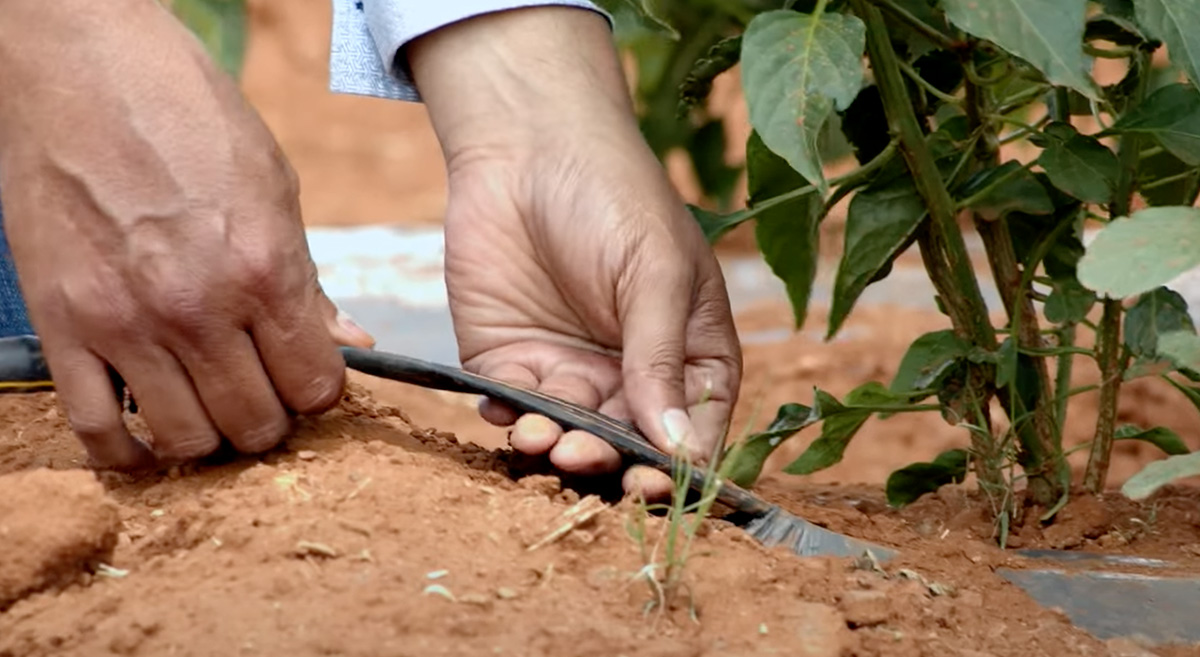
[
  {"x": 678, "y": 427},
  {"x": 348, "y": 324}
]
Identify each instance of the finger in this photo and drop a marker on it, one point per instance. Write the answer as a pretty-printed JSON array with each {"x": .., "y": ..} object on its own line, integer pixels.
[
  {"x": 345, "y": 331},
  {"x": 513, "y": 374},
  {"x": 714, "y": 368},
  {"x": 85, "y": 391},
  {"x": 534, "y": 434},
  {"x": 299, "y": 354},
  {"x": 651, "y": 484},
  {"x": 236, "y": 391},
  {"x": 581, "y": 453},
  {"x": 167, "y": 400},
  {"x": 497, "y": 413},
  {"x": 654, "y": 327}
]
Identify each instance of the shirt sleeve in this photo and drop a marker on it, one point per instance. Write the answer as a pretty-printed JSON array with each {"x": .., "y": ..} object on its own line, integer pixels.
[{"x": 367, "y": 34}]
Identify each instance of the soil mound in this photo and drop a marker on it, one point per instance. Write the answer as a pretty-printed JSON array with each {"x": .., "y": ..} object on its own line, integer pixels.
[{"x": 54, "y": 527}]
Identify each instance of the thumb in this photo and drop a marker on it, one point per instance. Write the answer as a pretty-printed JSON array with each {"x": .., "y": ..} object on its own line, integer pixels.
[
  {"x": 344, "y": 330},
  {"x": 654, "y": 334}
]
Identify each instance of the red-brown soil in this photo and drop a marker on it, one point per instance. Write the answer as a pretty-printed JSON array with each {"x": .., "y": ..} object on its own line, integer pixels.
[{"x": 330, "y": 544}]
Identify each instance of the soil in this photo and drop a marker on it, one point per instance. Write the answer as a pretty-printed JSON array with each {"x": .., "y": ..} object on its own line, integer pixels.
[
  {"x": 368, "y": 535},
  {"x": 369, "y": 532}
]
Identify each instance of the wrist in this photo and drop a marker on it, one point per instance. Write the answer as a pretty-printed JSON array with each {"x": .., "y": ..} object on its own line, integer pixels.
[{"x": 519, "y": 78}]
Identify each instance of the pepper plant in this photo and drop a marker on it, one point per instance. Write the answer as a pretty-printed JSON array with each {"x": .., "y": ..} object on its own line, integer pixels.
[{"x": 929, "y": 93}]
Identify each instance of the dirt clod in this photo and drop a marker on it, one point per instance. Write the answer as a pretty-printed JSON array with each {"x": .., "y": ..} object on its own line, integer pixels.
[
  {"x": 54, "y": 526},
  {"x": 864, "y": 608}
]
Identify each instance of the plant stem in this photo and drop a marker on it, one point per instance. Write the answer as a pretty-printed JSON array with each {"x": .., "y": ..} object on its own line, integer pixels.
[
  {"x": 1017, "y": 101},
  {"x": 943, "y": 249},
  {"x": 1040, "y": 453},
  {"x": 962, "y": 290},
  {"x": 849, "y": 180},
  {"x": 1170, "y": 179},
  {"x": 1062, "y": 378},
  {"x": 925, "y": 29},
  {"x": 1109, "y": 349},
  {"x": 926, "y": 85}
]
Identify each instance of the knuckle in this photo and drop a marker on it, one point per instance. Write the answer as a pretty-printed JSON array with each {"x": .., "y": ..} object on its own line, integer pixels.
[
  {"x": 177, "y": 298},
  {"x": 262, "y": 437},
  {"x": 662, "y": 363},
  {"x": 187, "y": 446},
  {"x": 320, "y": 393},
  {"x": 94, "y": 424}
]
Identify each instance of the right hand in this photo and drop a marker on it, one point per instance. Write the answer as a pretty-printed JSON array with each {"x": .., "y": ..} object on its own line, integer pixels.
[{"x": 156, "y": 229}]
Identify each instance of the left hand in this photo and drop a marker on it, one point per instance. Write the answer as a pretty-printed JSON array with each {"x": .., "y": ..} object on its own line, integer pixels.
[{"x": 572, "y": 265}]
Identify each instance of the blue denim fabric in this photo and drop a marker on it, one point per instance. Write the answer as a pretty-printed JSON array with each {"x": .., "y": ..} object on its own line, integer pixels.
[{"x": 13, "y": 318}]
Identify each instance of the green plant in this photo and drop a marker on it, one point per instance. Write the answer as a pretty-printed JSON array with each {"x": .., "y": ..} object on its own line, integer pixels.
[
  {"x": 932, "y": 95},
  {"x": 665, "y": 557}
]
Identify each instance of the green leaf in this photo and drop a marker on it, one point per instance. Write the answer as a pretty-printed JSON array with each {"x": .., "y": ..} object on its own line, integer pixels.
[
  {"x": 1174, "y": 22},
  {"x": 1192, "y": 394},
  {"x": 1163, "y": 165},
  {"x": 1006, "y": 188},
  {"x": 927, "y": 359},
  {"x": 796, "y": 69},
  {"x": 221, "y": 27},
  {"x": 1181, "y": 347},
  {"x": 634, "y": 19},
  {"x": 1136, "y": 254},
  {"x": 1156, "y": 313},
  {"x": 1172, "y": 116},
  {"x": 1157, "y": 474},
  {"x": 1046, "y": 33},
  {"x": 747, "y": 461},
  {"x": 1069, "y": 301},
  {"x": 916, "y": 43},
  {"x": 880, "y": 224},
  {"x": 1161, "y": 437},
  {"x": 908, "y": 484},
  {"x": 838, "y": 429},
  {"x": 1121, "y": 8},
  {"x": 787, "y": 235},
  {"x": 715, "y": 224},
  {"x": 1078, "y": 165}
]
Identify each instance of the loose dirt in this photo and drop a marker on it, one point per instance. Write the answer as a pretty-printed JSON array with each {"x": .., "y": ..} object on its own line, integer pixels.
[{"x": 367, "y": 535}]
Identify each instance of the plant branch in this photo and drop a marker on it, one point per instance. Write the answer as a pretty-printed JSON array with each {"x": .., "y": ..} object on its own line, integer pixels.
[
  {"x": 962, "y": 293},
  {"x": 943, "y": 249},
  {"x": 850, "y": 180},
  {"x": 1170, "y": 179},
  {"x": 1019, "y": 100},
  {"x": 1040, "y": 453},
  {"x": 913, "y": 75},
  {"x": 1121, "y": 52},
  {"x": 1112, "y": 358},
  {"x": 925, "y": 29}
]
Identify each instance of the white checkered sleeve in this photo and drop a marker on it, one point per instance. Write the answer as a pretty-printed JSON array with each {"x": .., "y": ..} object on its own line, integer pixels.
[{"x": 367, "y": 34}]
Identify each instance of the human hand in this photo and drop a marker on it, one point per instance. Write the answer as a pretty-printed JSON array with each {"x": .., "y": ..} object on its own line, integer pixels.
[
  {"x": 572, "y": 266},
  {"x": 155, "y": 226}
]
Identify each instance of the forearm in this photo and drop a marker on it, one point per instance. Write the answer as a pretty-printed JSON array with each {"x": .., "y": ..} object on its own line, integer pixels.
[
  {"x": 50, "y": 51},
  {"x": 368, "y": 45},
  {"x": 518, "y": 74}
]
